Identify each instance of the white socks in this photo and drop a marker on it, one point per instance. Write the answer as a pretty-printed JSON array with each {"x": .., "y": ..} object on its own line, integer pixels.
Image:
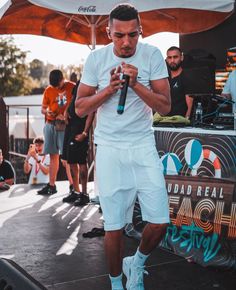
[
  {"x": 116, "y": 282},
  {"x": 140, "y": 258}
]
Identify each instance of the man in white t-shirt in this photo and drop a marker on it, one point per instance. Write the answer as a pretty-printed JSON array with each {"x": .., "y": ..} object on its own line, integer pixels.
[
  {"x": 229, "y": 90},
  {"x": 127, "y": 162},
  {"x": 36, "y": 163}
]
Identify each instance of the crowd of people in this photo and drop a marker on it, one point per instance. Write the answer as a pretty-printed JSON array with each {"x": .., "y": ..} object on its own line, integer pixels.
[
  {"x": 127, "y": 163},
  {"x": 66, "y": 136}
]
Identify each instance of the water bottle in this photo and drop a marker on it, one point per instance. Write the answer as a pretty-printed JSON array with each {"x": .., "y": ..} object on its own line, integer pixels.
[{"x": 198, "y": 113}]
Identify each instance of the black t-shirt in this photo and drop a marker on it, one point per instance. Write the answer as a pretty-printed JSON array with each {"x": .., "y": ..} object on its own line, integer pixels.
[
  {"x": 75, "y": 120},
  {"x": 76, "y": 124},
  {"x": 6, "y": 171},
  {"x": 178, "y": 101}
]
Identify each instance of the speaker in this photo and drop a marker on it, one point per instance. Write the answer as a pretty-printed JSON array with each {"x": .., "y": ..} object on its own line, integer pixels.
[
  {"x": 198, "y": 80},
  {"x": 199, "y": 72},
  {"x": 13, "y": 277}
]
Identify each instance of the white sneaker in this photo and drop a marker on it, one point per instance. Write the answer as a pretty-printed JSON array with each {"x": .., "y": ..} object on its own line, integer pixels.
[{"x": 134, "y": 274}]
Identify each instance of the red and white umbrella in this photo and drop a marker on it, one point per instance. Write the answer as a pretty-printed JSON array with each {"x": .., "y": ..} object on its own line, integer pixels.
[{"x": 84, "y": 21}]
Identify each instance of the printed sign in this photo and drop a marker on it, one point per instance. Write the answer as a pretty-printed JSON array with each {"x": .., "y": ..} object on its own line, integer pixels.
[{"x": 200, "y": 173}]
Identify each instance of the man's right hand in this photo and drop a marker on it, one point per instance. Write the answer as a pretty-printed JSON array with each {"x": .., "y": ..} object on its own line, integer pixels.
[
  {"x": 50, "y": 113},
  {"x": 31, "y": 153},
  {"x": 115, "y": 81}
]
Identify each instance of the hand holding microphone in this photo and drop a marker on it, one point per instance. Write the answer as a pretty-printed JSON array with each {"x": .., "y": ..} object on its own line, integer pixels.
[
  {"x": 129, "y": 78},
  {"x": 123, "y": 94}
]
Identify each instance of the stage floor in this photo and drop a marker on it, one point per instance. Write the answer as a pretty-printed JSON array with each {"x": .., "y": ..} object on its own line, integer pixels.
[{"x": 44, "y": 236}]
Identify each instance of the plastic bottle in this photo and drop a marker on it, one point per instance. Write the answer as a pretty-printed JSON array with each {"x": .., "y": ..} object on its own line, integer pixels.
[{"x": 198, "y": 113}]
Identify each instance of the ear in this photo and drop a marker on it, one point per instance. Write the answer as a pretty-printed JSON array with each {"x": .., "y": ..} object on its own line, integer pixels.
[
  {"x": 182, "y": 57},
  {"x": 140, "y": 30},
  {"x": 108, "y": 32}
]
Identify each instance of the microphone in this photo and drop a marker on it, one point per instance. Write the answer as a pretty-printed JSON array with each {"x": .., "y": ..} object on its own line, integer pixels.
[{"x": 123, "y": 93}]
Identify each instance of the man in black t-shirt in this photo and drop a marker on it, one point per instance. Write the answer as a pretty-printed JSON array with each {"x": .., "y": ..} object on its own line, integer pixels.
[
  {"x": 181, "y": 103},
  {"x": 7, "y": 173},
  {"x": 75, "y": 151}
]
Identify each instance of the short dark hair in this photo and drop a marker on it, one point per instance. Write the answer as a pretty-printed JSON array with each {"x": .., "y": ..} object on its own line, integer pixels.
[
  {"x": 124, "y": 12},
  {"x": 38, "y": 140},
  {"x": 55, "y": 77},
  {"x": 174, "y": 48},
  {"x": 73, "y": 77}
]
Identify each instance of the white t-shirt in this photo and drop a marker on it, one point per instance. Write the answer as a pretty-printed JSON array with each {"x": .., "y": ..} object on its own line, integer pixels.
[
  {"x": 230, "y": 88},
  {"x": 36, "y": 174},
  {"x": 134, "y": 126}
]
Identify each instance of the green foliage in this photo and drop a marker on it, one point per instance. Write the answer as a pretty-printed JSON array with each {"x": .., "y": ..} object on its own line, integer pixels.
[
  {"x": 20, "y": 78},
  {"x": 36, "y": 69},
  {"x": 39, "y": 71},
  {"x": 13, "y": 69}
]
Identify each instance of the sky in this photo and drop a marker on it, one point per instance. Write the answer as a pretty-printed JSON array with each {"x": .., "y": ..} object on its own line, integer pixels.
[{"x": 58, "y": 52}]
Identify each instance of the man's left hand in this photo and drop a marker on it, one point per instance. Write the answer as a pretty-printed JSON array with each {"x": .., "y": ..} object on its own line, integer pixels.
[
  {"x": 60, "y": 117},
  {"x": 131, "y": 71}
]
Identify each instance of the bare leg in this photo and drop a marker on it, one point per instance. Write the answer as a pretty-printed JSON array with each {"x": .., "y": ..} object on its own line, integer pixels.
[
  {"x": 75, "y": 176},
  {"x": 84, "y": 176},
  {"x": 53, "y": 168},
  {"x": 68, "y": 173},
  {"x": 114, "y": 251},
  {"x": 151, "y": 237}
]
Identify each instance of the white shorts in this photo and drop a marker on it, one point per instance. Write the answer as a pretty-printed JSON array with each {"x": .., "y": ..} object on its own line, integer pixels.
[{"x": 125, "y": 174}]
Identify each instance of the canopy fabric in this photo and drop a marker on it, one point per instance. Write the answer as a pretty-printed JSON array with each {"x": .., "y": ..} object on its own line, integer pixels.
[
  {"x": 86, "y": 22},
  {"x": 101, "y": 7},
  {"x": 4, "y": 5}
]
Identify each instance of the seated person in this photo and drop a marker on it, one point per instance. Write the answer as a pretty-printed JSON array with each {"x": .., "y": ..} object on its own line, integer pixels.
[
  {"x": 36, "y": 163},
  {"x": 181, "y": 103},
  {"x": 229, "y": 90},
  {"x": 7, "y": 173}
]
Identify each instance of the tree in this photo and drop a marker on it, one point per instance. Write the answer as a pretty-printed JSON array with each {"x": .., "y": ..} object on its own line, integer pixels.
[
  {"x": 13, "y": 69},
  {"x": 36, "y": 69}
]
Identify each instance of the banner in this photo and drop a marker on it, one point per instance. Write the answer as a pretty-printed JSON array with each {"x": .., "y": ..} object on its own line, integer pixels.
[
  {"x": 203, "y": 220},
  {"x": 200, "y": 173}
]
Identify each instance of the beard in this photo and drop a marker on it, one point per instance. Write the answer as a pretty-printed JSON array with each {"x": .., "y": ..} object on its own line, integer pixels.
[{"x": 174, "y": 67}]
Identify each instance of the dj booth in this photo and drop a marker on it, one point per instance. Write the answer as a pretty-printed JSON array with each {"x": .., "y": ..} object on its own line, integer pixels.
[{"x": 199, "y": 164}]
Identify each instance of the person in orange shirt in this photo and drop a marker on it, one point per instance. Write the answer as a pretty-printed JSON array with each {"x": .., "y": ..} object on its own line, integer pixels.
[{"x": 56, "y": 98}]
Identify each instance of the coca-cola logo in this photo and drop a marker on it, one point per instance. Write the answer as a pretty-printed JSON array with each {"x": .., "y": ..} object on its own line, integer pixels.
[{"x": 87, "y": 9}]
